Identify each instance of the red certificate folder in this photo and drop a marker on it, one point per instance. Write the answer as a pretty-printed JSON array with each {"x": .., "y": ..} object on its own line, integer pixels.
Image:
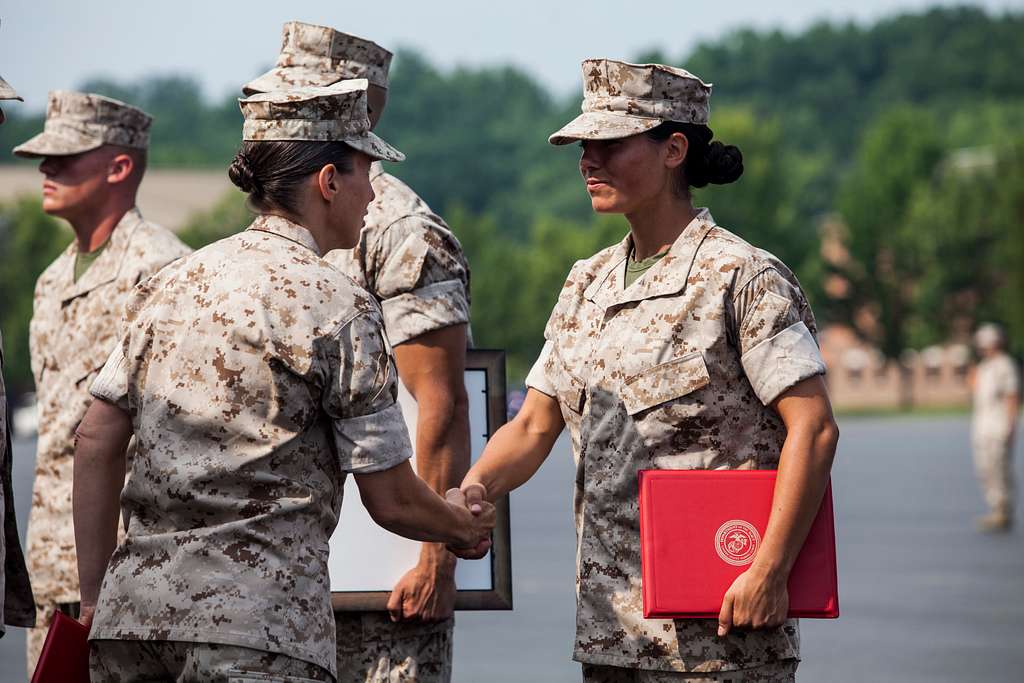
[
  {"x": 700, "y": 529},
  {"x": 65, "y": 656}
]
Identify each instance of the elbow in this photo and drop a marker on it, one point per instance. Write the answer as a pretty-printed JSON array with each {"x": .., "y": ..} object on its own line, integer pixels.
[
  {"x": 385, "y": 516},
  {"x": 826, "y": 440},
  {"x": 385, "y": 510},
  {"x": 442, "y": 411}
]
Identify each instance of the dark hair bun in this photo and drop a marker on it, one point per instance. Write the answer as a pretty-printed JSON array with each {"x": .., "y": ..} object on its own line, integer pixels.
[
  {"x": 723, "y": 163},
  {"x": 242, "y": 175}
]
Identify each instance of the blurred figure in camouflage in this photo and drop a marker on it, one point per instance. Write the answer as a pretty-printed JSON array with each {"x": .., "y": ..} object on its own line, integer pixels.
[
  {"x": 996, "y": 405},
  {"x": 415, "y": 267},
  {"x": 93, "y": 152},
  {"x": 16, "y": 605}
]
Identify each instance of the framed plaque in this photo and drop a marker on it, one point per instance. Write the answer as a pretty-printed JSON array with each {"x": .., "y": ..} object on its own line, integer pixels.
[{"x": 366, "y": 561}]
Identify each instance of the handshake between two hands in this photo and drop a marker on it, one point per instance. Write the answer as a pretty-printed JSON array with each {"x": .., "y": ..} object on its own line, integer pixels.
[{"x": 477, "y": 518}]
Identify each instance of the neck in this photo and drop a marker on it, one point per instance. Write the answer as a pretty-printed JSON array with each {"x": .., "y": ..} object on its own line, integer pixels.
[
  {"x": 315, "y": 224},
  {"x": 93, "y": 229},
  {"x": 657, "y": 224}
]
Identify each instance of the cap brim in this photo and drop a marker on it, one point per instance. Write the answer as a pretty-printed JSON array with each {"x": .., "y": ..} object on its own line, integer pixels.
[
  {"x": 7, "y": 92},
  {"x": 602, "y": 125},
  {"x": 375, "y": 147},
  {"x": 50, "y": 144},
  {"x": 289, "y": 78}
]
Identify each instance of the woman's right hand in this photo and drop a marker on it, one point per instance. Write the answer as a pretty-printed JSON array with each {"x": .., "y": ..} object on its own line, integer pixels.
[{"x": 477, "y": 518}]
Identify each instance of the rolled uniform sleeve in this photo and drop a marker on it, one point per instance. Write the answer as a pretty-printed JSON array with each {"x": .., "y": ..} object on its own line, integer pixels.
[
  {"x": 422, "y": 278},
  {"x": 773, "y": 331},
  {"x": 367, "y": 424},
  {"x": 111, "y": 384},
  {"x": 539, "y": 377}
]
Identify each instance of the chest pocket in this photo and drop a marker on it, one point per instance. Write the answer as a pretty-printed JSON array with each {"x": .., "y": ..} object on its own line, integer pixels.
[
  {"x": 571, "y": 389},
  {"x": 664, "y": 382}
]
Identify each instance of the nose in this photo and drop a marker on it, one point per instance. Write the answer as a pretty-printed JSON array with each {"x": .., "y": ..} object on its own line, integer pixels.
[
  {"x": 47, "y": 166},
  {"x": 589, "y": 159}
]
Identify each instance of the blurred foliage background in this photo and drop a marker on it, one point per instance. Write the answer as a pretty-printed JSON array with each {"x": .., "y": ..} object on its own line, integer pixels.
[{"x": 898, "y": 146}]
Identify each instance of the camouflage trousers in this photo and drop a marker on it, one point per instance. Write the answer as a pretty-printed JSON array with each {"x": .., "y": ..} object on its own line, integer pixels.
[
  {"x": 126, "y": 661},
  {"x": 35, "y": 637},
  {"x": 993, "y": 463},
  {"x": 373, "y": 649},
  {"x": 783, "y": 671}
]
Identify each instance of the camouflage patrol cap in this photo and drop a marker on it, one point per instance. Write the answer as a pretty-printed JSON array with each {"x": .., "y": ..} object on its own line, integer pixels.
[
  {"x": 332, "y": 113},
  {"x": 6, "y": 93},
  {"x": 622, "y": 99},
  {"x": 78, "y": 122},
  {"x": 314, "y": 55}
]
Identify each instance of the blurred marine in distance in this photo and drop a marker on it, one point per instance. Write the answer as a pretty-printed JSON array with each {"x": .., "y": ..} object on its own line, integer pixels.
[
  {"x": 996, "y": 406},
  {"x": 93, "y": 157}
]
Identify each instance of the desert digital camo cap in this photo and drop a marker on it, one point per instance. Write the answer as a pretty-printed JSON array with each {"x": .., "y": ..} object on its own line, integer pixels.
[
  {"x": 6, "y": 93},
  {"x": 314, "y": 55},
  {"x": 332, "y": 113},
  {"x": 622, "y": 99},
  {"x": 78, "y": 122}
]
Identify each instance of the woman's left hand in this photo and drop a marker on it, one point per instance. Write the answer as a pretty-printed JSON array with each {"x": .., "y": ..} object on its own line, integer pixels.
[{"x": 757, "y": 599}]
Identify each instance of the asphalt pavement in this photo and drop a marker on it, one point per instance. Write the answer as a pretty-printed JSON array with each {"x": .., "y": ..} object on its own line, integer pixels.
[{"x": 923, "y": 596}]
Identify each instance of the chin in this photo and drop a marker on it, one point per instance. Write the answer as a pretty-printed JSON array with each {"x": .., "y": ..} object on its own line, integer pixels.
[
  {"x": 604, "y": 206},
  {"x": 51, "y": 207}
]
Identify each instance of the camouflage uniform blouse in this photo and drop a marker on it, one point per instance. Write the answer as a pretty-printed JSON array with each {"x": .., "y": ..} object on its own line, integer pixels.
[
  {"x": 673, "y": 372},
  {"x": 256, "y": 376},
  {"x": 74, "y": 327},
  {"x": 409, "y": 260},
  {"x": 16, "y": 605}
]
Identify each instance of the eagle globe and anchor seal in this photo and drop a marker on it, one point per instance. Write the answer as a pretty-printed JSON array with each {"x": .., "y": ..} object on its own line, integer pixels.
[{"x": 737, "y": 542}]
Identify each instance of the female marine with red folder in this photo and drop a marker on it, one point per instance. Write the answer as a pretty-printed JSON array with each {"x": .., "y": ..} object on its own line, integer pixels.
[{"x": 682, "y": 347}]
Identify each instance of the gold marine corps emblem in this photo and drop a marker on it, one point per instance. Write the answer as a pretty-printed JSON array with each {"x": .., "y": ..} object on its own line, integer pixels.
[{"x": 737, "y": 541}]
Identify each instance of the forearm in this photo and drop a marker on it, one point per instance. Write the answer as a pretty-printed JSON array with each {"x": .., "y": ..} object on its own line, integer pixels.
[
  {"x": 402, "y": 503},
  {"x": 99, "y": 471},
  {"x": 517, "y": 450},
  {"x": 442, "y": 453},
  {"x": 803, "y": 475}
]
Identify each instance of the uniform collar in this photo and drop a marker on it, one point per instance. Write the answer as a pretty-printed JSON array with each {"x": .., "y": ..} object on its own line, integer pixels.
[
  {"x": 282, "y": 227},
  {"x": 376, "y": 169},
  {"x": 668, "y": 276},
  {"x": 107, "y": 265}
]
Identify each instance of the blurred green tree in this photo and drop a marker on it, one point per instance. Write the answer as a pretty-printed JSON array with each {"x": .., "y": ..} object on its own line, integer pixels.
[{"x": 29, "y": 241}]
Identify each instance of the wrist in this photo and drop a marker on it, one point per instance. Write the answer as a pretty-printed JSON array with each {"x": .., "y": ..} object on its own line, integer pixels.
[
  {"x": 435, "y": 558},
  {"x": 771, "y": 569}
]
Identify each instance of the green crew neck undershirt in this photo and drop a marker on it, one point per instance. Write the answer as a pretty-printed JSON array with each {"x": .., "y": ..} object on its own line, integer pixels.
[
  {"x": 634, "y": 269},
  {"x": 83, "y": 261}
]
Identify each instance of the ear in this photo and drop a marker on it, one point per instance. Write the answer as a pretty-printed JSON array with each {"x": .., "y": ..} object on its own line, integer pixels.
[
  {"x": 120, "y": 168},
  {"x": 676, "y": 149},
  {"x": 328, "y": 182}
]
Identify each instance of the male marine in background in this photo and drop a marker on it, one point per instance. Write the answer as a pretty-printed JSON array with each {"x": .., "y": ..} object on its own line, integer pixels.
[
  {"x": 994, "y": 425},
  {"x": 93, "y": 157},
  {"x": 16, "y": 605},
  {"x": 412, "y": 263}
]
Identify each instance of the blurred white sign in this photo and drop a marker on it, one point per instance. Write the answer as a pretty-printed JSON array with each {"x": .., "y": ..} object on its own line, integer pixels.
[{"x": 365, "y": 557}]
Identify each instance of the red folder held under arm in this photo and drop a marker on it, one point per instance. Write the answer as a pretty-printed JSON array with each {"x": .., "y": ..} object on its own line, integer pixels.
[
  {"x": 65, "y": 656},
  {"x": 700, "y": 529}
]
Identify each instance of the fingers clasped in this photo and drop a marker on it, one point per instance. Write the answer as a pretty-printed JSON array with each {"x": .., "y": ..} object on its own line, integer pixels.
[{"x": 478, "y": 519}]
